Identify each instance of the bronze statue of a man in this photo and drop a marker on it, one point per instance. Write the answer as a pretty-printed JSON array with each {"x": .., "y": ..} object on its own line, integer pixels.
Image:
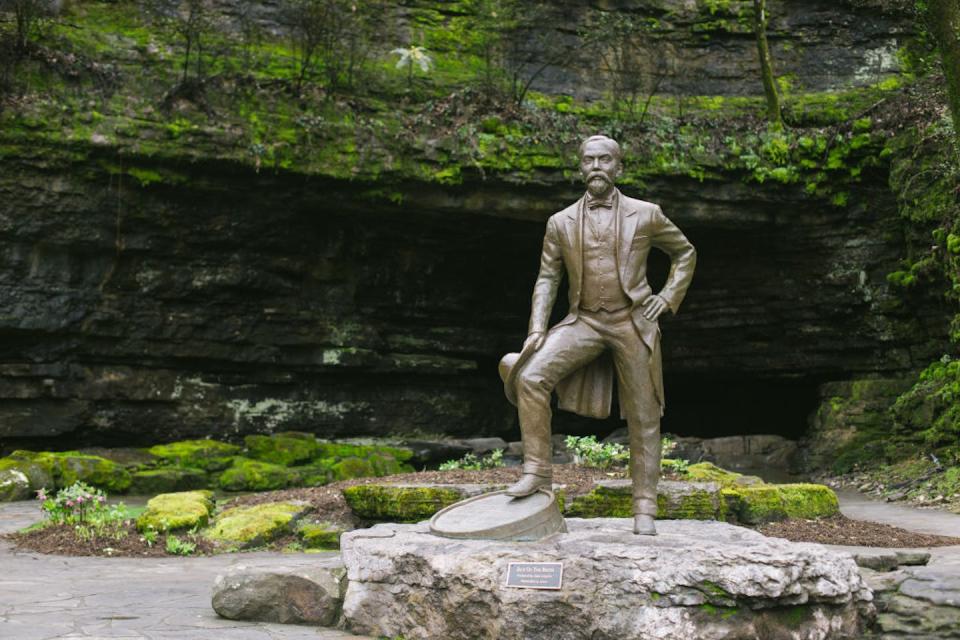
[{"x": 602, "y": 242}]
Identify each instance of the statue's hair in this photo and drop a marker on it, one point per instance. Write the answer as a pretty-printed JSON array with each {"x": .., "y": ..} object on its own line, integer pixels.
[{"x": 609, "y": 141}]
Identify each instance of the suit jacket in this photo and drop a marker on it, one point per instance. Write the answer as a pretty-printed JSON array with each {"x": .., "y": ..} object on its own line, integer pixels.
[{"x": 640, "y": 225}]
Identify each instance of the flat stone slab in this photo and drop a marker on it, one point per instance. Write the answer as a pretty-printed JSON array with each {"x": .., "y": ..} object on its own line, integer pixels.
[{"x": 697, "y": 579}]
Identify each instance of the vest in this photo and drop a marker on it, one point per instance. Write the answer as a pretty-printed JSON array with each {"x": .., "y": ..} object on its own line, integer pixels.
[{"x": 601, "y": 280}]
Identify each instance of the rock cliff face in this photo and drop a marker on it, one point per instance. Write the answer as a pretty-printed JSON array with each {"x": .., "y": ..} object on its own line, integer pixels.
[
  {"x": 244, "y": 303},
  {"x": 229, "y": 301}
]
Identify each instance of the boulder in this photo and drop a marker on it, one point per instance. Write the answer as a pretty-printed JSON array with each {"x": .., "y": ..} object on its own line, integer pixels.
[
  {"x": 171, "y": 511},
  {"x": 251, "y": 475},
  {"x": 247, "y": 527},
  {"x": 342, "y": 450},
  {"x": 167, "y": 480},
  {"x": 286, "y": 450},
  {"x": 209, "y": 455},
  {"x": 675, "y": 500},
  {"x": 917, "y": 601},
  {"x": 320, "y": 535},
  {"x": 401, "y": 503},
  {"x": 770, "y": 502},
  {"x": 37, "y": 469},
  {"x": 72, "y": 466},
  {"x": 14, "y": 485},
  {"x": 695, "y": 579},
  {"x": 282, "y": 592}
]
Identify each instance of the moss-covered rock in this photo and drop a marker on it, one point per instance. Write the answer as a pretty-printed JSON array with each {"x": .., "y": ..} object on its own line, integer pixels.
[
  {"x": 313, "y": 475},
  {"x": 755, "y": 505},
  {"x": 209, "y": 455},
  {"x": 14, "y": 485},
  {"x": 320, "y": 535},
  {"x": 171, "y": 511},
  {"x": 284, "y": 450},
  {"x": 71, "y": 466},
  {"x": 252, "y": 475},
  {"x": 167, "y": 480},
  {"x": 39, "y": 470},
  {"x": 709, "y": 472},
  {"x": 340, "y": 450},
  {"x": 398, "y": 503},
  {"x": 808, "y": 501},
  {"x": 675, "y": 501},
  {"x": 350, "y": 468},
  {"x": 256, "y": 525},
  {"x": 772, "y": 502}
]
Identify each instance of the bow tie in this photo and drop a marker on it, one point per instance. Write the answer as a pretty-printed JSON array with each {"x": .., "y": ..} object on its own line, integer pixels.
[{"x": 597, "y": 203}]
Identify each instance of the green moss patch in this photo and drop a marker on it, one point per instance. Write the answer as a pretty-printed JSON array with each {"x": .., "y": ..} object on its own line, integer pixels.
[
  {"x": 313, "y": 475},
  {"x": 808, "y": 501},
  {"x": 38, "y": 470},
  {"x": 769, "y": 503},
  {"x": 253, "y": 526},
  {"x": 341, "y": 450},
  {"x": 71, "y": 466},
  {"x": 282, "y": 449},
  {"x": 709, "y": 472},
  {"x": 154, "y": 481},
  {"x": 397, "y": 503},
  {"x": 320, "y": 535},
  {"x": 209, "y": 455},
  {"x": 171, "y": 511},
  {"x": 675, "y": 501},
  {"x": 251, "y": 475}
]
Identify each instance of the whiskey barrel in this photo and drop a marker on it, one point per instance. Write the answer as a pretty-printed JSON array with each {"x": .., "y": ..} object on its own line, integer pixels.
[{"x": 497, "y": 516}]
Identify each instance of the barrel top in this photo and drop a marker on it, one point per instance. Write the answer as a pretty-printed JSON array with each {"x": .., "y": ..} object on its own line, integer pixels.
[{"x": 494, "y": 515}]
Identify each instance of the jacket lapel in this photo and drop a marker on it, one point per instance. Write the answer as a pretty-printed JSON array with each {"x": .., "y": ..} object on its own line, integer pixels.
[
  {"x": 627, "y": 218},
  {"x": 575, "y": 239}
]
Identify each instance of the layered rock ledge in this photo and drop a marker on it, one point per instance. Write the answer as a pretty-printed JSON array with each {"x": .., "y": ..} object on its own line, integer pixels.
[{"x": 697, "y": 579}]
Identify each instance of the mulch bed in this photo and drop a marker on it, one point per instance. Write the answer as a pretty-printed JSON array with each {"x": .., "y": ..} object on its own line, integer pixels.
[
  {"x": 62, "y": 540},
  {"x": 330, "y": 506},
  {"x": 842, "y": 530}
]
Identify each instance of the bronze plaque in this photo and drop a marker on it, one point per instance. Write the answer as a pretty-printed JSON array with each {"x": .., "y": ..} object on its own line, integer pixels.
[{"x": 535, "y": 575}]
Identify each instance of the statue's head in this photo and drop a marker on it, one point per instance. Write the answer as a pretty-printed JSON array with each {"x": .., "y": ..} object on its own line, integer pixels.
[{"x": 600, "y": 164}]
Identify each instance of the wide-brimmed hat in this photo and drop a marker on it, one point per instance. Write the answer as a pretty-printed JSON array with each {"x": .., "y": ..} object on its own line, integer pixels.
[{"x": 510, "y": 366}]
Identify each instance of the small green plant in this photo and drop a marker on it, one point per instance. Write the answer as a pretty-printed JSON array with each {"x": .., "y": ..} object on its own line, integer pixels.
[
  {"x": 678, "y": 466},
  {"x": 150, "y": 536},
  {"x": 178, "y": 547},
  {"x": 472, "y": 462},
  {"x": 76, "y": 504},
  {"x": 588, "y": 452},
  {"x": 667, "y": 446},
  {"x": 411, "y": 56}
]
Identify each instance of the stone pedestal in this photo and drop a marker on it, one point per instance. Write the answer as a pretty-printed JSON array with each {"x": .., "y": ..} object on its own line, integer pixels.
[{"x": 697, "y": 580}]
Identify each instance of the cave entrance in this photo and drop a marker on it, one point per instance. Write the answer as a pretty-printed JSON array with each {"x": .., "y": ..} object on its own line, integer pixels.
[{"x": 719, "y": 405}]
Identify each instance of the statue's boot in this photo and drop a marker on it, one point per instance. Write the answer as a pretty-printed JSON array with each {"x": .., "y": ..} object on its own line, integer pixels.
[
  {"x": 529, "y": 484},
  {"x": 643, "y": 525}
]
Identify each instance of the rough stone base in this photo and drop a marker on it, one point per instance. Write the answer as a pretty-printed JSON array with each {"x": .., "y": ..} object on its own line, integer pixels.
[{"x": 696, "y": 580}]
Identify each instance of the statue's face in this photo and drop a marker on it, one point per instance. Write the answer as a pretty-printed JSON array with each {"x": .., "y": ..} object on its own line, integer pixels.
[{"x": 599, "y": 166}]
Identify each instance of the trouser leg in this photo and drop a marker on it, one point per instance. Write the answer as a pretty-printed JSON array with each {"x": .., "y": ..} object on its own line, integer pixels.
[
  {"x": 644, "y": 464},
  {"x": 632, "y": 360},
  {"x": 564, "y": 350}
]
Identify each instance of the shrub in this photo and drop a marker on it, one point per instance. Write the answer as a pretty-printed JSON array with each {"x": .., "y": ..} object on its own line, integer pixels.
[
  {"x": 471, "y": 462},
  {"x": 590, "y": 453}
]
